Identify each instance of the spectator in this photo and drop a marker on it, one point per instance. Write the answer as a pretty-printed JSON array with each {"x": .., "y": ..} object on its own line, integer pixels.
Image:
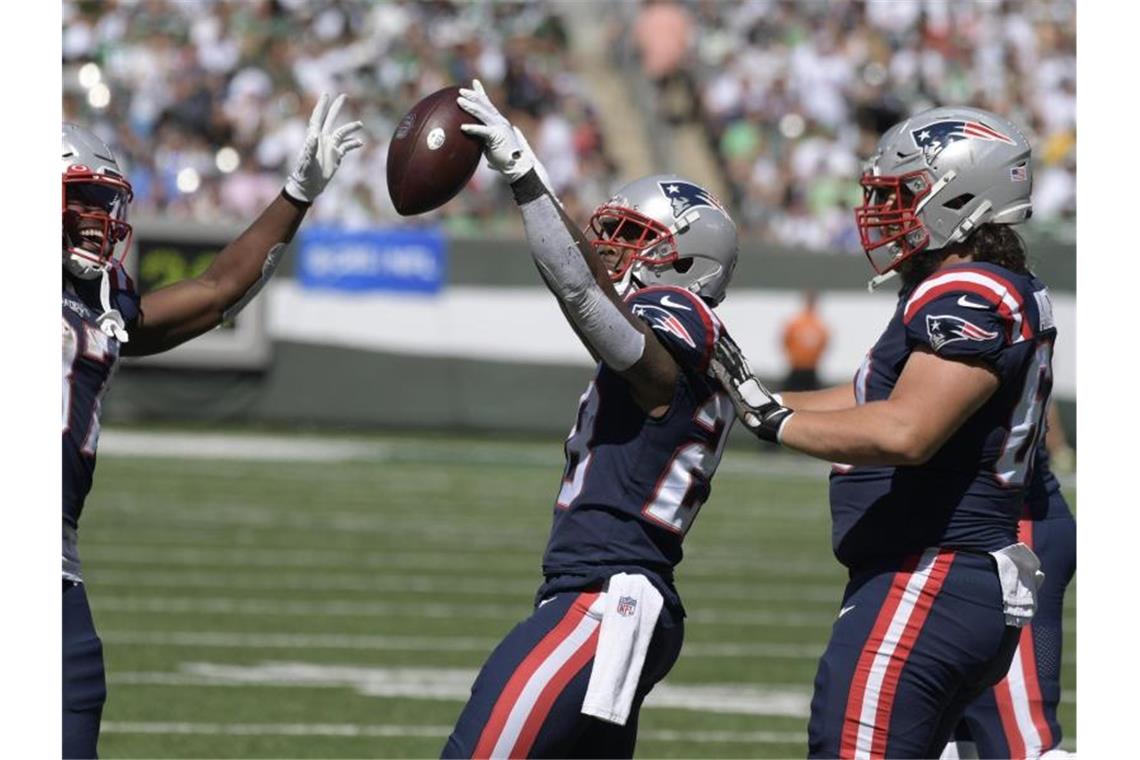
[
  {"x": 791, "y": 97},
  {"x": 663, "y": 33},
  {"x": 794, "y": 95},
  {"x": 186, "y": 80},
  {"x": 805, "y": 340}
]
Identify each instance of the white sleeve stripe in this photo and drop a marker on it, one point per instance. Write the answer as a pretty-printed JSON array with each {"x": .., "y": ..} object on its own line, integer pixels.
[{"x": 1009, "y": 300}]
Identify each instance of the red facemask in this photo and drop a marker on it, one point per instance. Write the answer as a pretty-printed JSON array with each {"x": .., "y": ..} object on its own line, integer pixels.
[
  {"x": 98, "y": 203},
  {"x": 635, "y": 236},
  {"x": 889, "y": 228}
]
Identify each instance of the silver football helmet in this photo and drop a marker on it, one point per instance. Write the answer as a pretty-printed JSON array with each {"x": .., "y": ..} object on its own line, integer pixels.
[
  {"x": 95, "y": 200},
  {"x": 665, "y": 230},
  {"x": 937, "y": 176}
]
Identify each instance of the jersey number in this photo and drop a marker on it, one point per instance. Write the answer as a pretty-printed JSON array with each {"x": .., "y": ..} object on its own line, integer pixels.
[
  {"x": 684, "y": 485},
  {"x": 1026, "y": 428},
  {"x": 94, "y": 345},
  {"x": 578, "y": 450}
]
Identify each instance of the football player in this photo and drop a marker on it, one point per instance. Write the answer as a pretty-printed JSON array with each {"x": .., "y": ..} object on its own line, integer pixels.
[
  {"x": 104, "y": 318},
  {"x": 647, "y": 436},
  {"x": 934, "y": 440},
  {"x": 1017, "y": 718}
]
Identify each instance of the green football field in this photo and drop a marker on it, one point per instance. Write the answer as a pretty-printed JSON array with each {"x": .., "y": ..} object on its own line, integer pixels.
[{"x": 324, "y": 596}]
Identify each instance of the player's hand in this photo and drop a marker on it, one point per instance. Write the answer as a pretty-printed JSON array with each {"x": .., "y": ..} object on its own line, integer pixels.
[
  {"x": 323, "y": 149},
  {"x": 504, "y": 146},
  {"x": 755, "y": 405}
]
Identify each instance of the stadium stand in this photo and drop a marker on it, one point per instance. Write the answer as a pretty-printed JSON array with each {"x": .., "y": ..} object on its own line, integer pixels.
[
  {"x": 785, "y": 97},
  {"x": 792, "y": 96},
  {"x": 185, "y": 81}
]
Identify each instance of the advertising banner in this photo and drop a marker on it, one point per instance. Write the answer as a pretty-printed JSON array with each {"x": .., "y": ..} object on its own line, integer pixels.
[{"x": 402, "y": 260}]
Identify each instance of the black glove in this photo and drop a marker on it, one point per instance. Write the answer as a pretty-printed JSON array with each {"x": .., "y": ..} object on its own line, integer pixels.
[{"x": 755, "y": 406}]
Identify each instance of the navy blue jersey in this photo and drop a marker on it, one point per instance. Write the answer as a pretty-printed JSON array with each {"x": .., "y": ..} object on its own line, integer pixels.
[
  {"x": 1043, "y": 499},
  {"x": 969, "y": 494},
  {"x": 89, "y": 360},
  {"x": 633, "y": 484}
]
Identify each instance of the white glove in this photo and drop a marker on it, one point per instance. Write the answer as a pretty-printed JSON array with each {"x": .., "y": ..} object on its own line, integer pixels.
[
  {"x": 323, "y": 149},
  {"x": 504, "y": 146}
]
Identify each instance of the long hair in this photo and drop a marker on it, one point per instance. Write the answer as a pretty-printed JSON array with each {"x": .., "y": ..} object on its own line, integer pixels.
[
  {"x": 992, "y": 243},
  {"x": 997, "y": 244}
]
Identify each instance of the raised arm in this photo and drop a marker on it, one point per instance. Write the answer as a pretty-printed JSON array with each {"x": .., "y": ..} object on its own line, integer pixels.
[
  {"x": 186, "y": 309},
  {"x": 569, "y": 266}
]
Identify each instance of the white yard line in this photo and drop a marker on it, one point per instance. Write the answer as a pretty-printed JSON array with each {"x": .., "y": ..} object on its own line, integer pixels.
[
  {"x": 454, "y": 684},
  {"x": 391, "y": 731},
  {"x": 354, "y": 608},
  {"x": 331, "y": 641},
  {"x": 246, "y": 447},
  {"x": 255, "y": 447}
]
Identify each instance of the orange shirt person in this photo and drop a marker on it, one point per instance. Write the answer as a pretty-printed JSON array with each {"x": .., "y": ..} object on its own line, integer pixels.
[{"x": 805, "y": 340}]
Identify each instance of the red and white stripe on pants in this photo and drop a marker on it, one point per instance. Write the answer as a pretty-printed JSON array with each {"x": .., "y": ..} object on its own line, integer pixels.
[
  {"x": 870, "y": 700},
  {"x": 530, "y": 692},
  {"x": 1018, "y": 695}
]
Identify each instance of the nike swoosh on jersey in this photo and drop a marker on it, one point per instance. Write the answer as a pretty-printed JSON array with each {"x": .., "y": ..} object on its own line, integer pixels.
[
  {"x": 665, "y": 301},
  {"x": 965, "y": 301},
  {"x": 843, "y": 611}
]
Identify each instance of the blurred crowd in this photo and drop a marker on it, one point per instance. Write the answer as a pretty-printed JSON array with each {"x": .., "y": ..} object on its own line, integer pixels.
[
  {"x": 207, "y": 102},
  {"x": 793, "y": 95}
]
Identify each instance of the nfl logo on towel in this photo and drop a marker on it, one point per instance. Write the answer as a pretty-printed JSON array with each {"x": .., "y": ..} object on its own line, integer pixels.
[{"x": 626, "y": 606}]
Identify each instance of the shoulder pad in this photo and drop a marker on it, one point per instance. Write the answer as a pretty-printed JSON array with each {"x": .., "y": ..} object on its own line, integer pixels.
[
  {"x": 680, "y": 319},
  {"x": 965, "y": 291}
]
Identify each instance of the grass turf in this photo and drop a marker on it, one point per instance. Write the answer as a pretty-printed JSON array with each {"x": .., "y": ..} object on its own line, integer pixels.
[{"x": 266, "y": 608}]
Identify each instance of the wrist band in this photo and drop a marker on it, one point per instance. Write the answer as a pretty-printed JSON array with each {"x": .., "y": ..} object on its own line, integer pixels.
[
  {"x": 528, "y": 187},
  {"x": 780, "y": 430},
  {"x": 294, "y": 201}
]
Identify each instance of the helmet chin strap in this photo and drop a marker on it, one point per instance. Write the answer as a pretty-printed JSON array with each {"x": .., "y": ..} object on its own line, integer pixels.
[
  {"x": 684, "y": 222},
  {"x": 879, "y": 279},
  {"x": 935, "y": 189},
  {"x": 110, "y": 321},
  {"x": 625, "y": 284},
  {"x": 963, "y": 230}
]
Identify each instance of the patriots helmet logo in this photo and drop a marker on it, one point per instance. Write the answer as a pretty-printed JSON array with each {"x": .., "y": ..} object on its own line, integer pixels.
[
  {"x": 664, "y": 320},
  {"x": 685, "y": 195},
  {"x": 936, "y": 137},
  {"x": 946, "y": 328}
]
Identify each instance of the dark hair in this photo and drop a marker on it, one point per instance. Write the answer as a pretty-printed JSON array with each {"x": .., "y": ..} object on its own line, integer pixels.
[
  {"x": 996, "y": 244},
  {"x": 992, "y": 243}
]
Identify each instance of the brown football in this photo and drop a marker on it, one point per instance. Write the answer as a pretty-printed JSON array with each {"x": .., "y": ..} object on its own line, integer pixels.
[{"x": 429, "y": 157}]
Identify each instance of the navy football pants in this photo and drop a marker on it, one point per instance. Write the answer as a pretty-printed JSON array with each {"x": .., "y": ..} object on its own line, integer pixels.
[
  {"x": 84, "y": 687},
  {"x": 915, "y": 642},
  {"x": 1018, "y": 717},
  {"x": 527, "y": 700}
]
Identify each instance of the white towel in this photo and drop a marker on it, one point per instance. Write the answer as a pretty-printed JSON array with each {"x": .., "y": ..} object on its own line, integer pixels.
[
  {"x": 631, "y": 609},
  {"x": 1020, "y": 575}
]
